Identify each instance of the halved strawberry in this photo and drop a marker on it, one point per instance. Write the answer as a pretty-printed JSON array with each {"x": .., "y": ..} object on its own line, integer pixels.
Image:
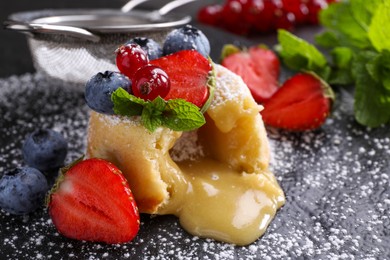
[
  {"x": 92, "y": 201},
  {"x": 302, "y": 103},
  {"x": 190, "y": 74},
  {"x": 258, "y": 67}
]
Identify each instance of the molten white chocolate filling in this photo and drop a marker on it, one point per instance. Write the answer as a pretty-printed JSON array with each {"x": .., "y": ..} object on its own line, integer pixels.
[{"x": 215, "y": 179}]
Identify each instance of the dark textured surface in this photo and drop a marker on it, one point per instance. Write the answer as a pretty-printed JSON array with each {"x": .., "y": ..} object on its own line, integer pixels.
[{"x": 336, "y": 181}]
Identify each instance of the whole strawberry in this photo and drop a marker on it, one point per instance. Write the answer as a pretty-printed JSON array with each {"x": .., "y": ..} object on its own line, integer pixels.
[
  {"x": 302, "y": 103},
  {"x": 92, "y": 201}
]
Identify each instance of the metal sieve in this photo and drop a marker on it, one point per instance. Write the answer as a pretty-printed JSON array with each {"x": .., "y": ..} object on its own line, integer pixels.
[{"x": 74, "y": 44}]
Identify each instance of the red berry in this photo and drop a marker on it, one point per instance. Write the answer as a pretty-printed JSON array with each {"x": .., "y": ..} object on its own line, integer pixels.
[
  {"x": 315, "y": 6},
  {"x": 129, "y": 58},
  {"x": 232, "y": 14},
  {"x": 302, "y": 103},
  {"x": 210, "y": 15},
  {"x": 285, "y": 20},
  {"x": 92, "y": 201},
  {"x": 267, "y": 17},
  {"x": 149, "y": 82},
  {"x": 252, "y": 11},
  {"x": 298, "y": 8}
]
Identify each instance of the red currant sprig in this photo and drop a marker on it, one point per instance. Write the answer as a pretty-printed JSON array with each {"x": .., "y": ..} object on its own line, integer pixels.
[{"x": 148, "y": 81}]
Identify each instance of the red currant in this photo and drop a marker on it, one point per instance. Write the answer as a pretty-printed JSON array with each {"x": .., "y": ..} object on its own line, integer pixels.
[
  {"x": 129, "y": 58},
  {"x": 149, "y": 82},
  {"x": 210, "y": 14},
  {"x": 232, "y": 14},
  {"x": 298, "y": 8},
  {"x": 315, "y": 6},
  {"x": 285, "y": 20}
]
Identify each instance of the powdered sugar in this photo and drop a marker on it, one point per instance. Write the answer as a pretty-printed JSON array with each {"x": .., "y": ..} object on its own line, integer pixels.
[{"x": 336, "y": 181}]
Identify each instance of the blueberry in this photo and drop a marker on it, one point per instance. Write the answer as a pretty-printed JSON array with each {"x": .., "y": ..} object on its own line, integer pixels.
[
  {"x": 150, "y": 46},
  {"x": 22, "y": 190},
  {"x": 186, "y": 38},
  {"x": 45, "y": 150},
  {"x": 100, "y": 87}
]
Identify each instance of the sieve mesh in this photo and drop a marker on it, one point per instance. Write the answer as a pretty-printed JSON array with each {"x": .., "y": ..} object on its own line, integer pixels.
[{"x": 73, "y": 59}]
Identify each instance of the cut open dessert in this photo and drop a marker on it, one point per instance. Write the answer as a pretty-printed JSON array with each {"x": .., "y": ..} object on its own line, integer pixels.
[{"x": 215, "y": 179}]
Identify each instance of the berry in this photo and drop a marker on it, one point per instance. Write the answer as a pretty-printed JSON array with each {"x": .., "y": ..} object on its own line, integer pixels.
[
  {"x": 189, "y": 73},
  {"x": 45, "y": 150},
  {"x": 100, "y": 87},
  {"x": 315, "y": 6},
  {"x": 232, "y": 14},
  {"x": 285, "y": 20},
  {"x": 298, "y": 8},
  {"x": 259, "y": 68},
  {"x": 267, "y": 17},
  {"x": 22, "y": 190},
  {"x": 129, "y": 58},
  {"x": 150, "y": 46},
  {"x": 150, "y": 82},
  {"x": 210, "y": 14},
  {"x": 252, "y": 12},
  {"x": 302, "y": 103},
  {"x": 92, "y": 201},
  {"x": 186, "y": 38}
]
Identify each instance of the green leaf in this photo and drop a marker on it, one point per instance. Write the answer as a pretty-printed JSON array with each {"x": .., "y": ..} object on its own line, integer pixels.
[
  {"x": 229, "y": 49},
  {"x": 339, "y": 19},
  {"x": 363, "y": 10},
  {"x": 379, "y": 30},
  {"x": 126, "y": 104},
  {"x": 372, "y": 98},
  {"x": 176, "y": 114},
  {"x": 327, "y": 39},
  {"x": 182, "y": 116},
  {"x": 298, "y": 54},
  {"x": 341, "y": 67}
]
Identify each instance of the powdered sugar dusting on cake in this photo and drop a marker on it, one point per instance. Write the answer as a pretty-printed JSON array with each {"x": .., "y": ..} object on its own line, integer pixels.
[
  {"x": 187, "y": 147},
  {"x": 229, "y": 86}
]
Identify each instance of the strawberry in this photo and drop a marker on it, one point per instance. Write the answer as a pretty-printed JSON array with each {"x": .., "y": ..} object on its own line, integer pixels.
[
  {"x": 92, "y": 201},
  {"x": 258, "y": 67},
  {"x": 302, "y": 103},
  {"x": 190, "y": 75}
]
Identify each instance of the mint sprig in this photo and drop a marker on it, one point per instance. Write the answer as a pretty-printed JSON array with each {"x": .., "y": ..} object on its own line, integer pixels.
[{"x": 176, "y": 114}]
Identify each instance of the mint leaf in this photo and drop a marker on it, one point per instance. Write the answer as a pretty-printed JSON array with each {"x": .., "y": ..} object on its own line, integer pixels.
[
  {"x": 379, "y": 30},
  {"x": 176, "y": 114},
  {"x": 339, "y": 19},
  {"x": 363, "y": 10},
  {"x": 151, "y": 116},
  {"x": 182, "y": 116},
  {"x": 298, "y": 54},
  {"x": 372, "y": 98},
  {"x": 341, "y": 68},
  {"x": 126, "y": 104},
  {"x": 327, "y": 39}
]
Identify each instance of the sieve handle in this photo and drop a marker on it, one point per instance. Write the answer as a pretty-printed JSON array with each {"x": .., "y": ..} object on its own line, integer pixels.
[
  {"x": 53, "y": 29},
  {"x": 162, "y": 11},
  {"x": 131, "y": 4},
  {"x": 172, "y": 5}
]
